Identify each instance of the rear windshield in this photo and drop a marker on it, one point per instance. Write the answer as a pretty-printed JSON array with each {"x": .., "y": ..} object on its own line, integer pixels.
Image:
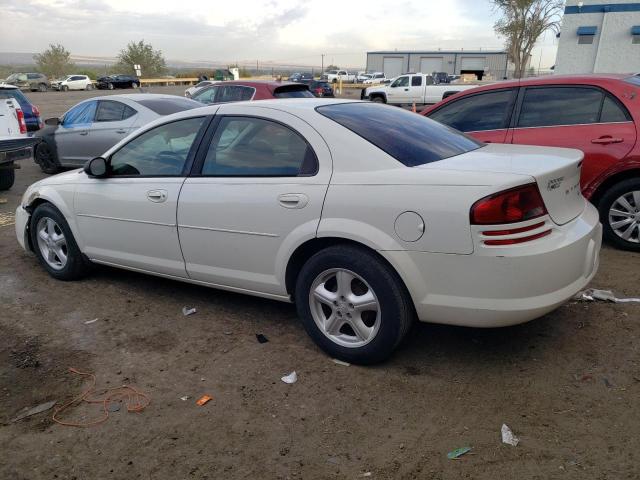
[
  {"x": 635, "y": 80},
  {"x": 292, "y": 91},
  {"x": 408, "y": 137},
  {"x": 169, "y": 105},
  {"x": 14, "y": 93}
]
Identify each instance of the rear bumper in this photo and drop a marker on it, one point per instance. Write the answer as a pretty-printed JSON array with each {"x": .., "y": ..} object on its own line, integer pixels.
[{"x": 512, "y": 286}]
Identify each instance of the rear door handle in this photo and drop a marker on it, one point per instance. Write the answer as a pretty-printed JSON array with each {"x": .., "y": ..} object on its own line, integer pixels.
[
  {"x": 157, "y": 196},
  {"x": 293, "y": 200},
  {"x": 121, "y": 131},
  {"x": 84, "y": 132},
  {"x": 607, "y": 140}
]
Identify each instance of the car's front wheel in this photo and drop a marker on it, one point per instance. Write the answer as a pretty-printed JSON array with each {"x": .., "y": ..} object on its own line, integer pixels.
[
  {"x": 54, "y": 245},
  {"x": 64, "y": 88},
  {"x": 352, "y": 304},
  {"x": 42, "y": 87},
  {"x": 110, "y": 86},
  {"x": 134, "y": 85},
  {"x": 89, "y": 86},
  {"x": 47, "y": 159},
  {"x": 620, "y": 214}
]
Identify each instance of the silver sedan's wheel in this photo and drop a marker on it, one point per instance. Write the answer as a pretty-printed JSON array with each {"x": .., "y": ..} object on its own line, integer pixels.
[
  {"x": 624, "y": 216},
  {"x": 345, "y": 308},
  {"x": 52, "y": 243}
]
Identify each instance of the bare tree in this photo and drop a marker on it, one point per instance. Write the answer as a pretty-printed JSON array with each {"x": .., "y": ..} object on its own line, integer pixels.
[
  {"x": 522, "y": 24},
  {"x": 55, "y": 61}
]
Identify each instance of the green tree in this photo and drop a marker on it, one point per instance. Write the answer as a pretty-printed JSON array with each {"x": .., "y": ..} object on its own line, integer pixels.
[
  {"x": 55, "y": 61},
  {"x": 522, "y": 23},
  {"x": 331, "y": 67},
  {"x": 140, "y": 53}
]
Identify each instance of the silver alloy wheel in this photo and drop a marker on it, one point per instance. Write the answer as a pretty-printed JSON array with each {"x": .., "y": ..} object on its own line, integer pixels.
[
  {"x": 52, "y": 243},
  {"x": 344, "y": 307},
  {"x": 624, "y": 216}
]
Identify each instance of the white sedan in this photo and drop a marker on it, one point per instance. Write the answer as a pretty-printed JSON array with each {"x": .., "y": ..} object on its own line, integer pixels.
[{"x": 364, "y": 215}]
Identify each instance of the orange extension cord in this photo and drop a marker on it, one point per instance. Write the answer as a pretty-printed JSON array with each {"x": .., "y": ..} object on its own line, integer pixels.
[{"x": 136, "y": 401}]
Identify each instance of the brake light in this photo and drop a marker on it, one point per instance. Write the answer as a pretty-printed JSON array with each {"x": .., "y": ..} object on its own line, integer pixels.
[
  {"x": 514, "y": 241},
  {"x": 21, "y": 122},
  {"x": 510, "y": 206}
]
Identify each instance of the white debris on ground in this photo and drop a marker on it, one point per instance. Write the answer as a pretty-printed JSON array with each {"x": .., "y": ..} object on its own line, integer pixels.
[
  {"x": 186, "y": 311},
  {"x": 290, "y": 378},
  {"x": 508, "y": 437},
  {"x": 594, "y": 294}
]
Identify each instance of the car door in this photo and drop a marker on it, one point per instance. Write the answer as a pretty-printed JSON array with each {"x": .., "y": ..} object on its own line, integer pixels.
[
  {"x": 576, "y": 116},
  {"x": 73, "y": 82},
  {"x": 398, "y": 91},
  {"x": 129, "y": 217},
  {"x": 485, "y": 115},
  {"x": 72, "y": 137},
  {"x": 258, "y": 193},
  {"x": 113, "y": 122}
]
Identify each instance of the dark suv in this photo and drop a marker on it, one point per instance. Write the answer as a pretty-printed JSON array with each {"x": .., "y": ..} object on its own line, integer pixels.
[
  {"x": 36, "y": 82},
  {"x": 117, "y": 81},
  {"x": 31, "y": 112}
]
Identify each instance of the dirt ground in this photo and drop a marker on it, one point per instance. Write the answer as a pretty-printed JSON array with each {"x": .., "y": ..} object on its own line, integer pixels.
[{"x": 567, "y": 384}]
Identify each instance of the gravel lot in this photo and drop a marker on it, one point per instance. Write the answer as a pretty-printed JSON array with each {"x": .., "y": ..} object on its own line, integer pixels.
[{"x": 567, "y": 384}]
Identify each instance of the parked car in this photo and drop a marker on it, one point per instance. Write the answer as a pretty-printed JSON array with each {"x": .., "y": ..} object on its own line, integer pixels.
[
  {"x": 35, "y": 82},
  {"x": 300, "y": 77},
  {"x": 361, "y": 77},
  {"x": 365, "y": 216},
  {"x": 73, "y": 82},
  {"x": 93, "y": 126},
  {"x": 597, "y": 114},
  {"x": 376, "y": 77},
  {"x": 321, "y": 88},
  {"x": 191, "y": 90},
  {"x": 418, "y": 88},
  {"x": 334, "y": 76},
  {"x": 31, "y": 112},
  {"x": 240, "y": 90},
  {"x": 14, "y": 143},
  {"x": 117, "y": 81}
]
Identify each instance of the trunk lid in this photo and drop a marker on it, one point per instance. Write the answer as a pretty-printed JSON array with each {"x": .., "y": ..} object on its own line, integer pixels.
[{"x": 555, "y": 170}]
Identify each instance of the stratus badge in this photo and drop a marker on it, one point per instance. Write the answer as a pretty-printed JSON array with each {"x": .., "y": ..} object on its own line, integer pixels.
[{"x": 554, "y": 183}]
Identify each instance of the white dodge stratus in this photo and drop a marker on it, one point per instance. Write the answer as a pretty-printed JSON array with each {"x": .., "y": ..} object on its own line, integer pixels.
[{"x": 366, "y": 216}]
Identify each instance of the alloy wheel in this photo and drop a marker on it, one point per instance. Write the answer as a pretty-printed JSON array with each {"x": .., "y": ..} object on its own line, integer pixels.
[
  {"x": 345, "y": 308},
  {"x": 624, "y": 216},
  {"x": 52, "y": 243}
]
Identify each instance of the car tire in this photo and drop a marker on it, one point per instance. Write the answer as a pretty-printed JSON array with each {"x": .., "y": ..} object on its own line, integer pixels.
[
  {"x": 89, "y": 87},
  {"x": 621, "y": 203},
  {"x": 42, "y": 87},
  {"x": 64, "y": 88},
  {"x": 54, "y": 244},
  {"x": 134, "y": 85},
  {"x": 378, "y": 99},
  {"x": 110, "y": 86},
  {"x": 362, "y": 277},
  {"x": 47, "y": 158},
  {"x": 7, "y": 179}
]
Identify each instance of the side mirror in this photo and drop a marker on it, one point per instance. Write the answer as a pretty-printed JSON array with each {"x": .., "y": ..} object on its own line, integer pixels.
[
  {"x": 52, "y": 121},
  {"x": 96, "y": 167}
]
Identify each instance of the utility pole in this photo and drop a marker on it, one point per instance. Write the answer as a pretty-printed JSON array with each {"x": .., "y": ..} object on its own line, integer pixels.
[
  {"x": 257, "y": 69},
  {"x": 322, "y": 71}
]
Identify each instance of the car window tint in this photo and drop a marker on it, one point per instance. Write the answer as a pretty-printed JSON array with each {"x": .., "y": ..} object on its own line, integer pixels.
[
  {"x": 409, "y": 138},
  {"x": 128, "y": 112},
  {"x": 161, "y": 151},
  {"x": 292, "y": 91},
  {"x": 612, "y": 111},
  {"x": 254, "y": 147},
  {"x": 234, "y": 93},
  {"x": 206, "y": 95},
  {"x": 110, "y": 111},
  {"x": 416, "y": 81},
  {"x": 168, "y": 105},
  {"x": 548, "y": 106},
  {"x": 429, "y": 80},
  {"x": 484, "y": 111},
  {"x": 80, "y": 115}
]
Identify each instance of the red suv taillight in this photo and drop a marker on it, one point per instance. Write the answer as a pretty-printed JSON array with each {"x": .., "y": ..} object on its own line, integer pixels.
[
  {"x": 511, "y": 206},
  {"x": 23, "y": 124}
]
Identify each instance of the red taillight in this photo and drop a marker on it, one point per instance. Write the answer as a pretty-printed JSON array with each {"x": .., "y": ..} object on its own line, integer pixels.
[
  {"x": 513, "y": 241},
  {"x": 23, "y": 125},
  {"x": 511, "y": 206},
  {"x": 318, "y": 90}
]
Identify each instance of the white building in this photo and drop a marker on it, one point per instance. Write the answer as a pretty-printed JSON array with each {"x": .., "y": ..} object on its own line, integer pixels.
[{"x": 599, "y": 37}]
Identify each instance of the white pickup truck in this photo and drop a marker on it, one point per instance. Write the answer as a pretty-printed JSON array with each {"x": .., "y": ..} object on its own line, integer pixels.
[
  {"x": 418, "y": 88},
  {"x": 334, "y": 76},
  {"x": 14, "y": 142}
]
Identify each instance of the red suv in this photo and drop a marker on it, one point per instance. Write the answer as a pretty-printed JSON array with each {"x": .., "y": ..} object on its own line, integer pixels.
[{"x": 598, "y": 114}]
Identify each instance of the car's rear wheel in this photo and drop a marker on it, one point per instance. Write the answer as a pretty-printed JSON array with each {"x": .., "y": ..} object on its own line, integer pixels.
[
  {"x": 620, "y": 214},
  {"x": 352, "y": 304},
  {"x": 42, "y": 87},
  {"x": 134, "y": 85},
  {"x": 7, "y": 178},
  {"x": 54, "y": 245},
  {"x": 47, "y": 159},
  {"x": 89, "y": 87}
]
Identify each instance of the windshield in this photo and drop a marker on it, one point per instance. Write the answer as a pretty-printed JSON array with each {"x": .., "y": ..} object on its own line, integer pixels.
[
  {"x": 292, "y": 91},
  {"x": 409, "y": 138}
]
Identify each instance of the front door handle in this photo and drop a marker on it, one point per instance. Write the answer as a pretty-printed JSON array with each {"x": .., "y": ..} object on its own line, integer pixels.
[
  {"x": 157, "y": 196},
  {"x": 293, "y": 200},
  {"x": 84, "y": 132},
  {"x": 606, "y": 140},
  {"x": 121, "y": 131},
  {"x": 406, "y": 89}
]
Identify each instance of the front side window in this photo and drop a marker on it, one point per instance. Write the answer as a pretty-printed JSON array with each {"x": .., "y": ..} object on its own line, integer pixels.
[
  {"x": 161, "y": 151},
  {"x": 409, "y": 138},
  {"x": 548, "y": 106},
  {"x": 207, "y": 95},
  {"x": 475, "y": 113},
  {"x": 401, "y": 82},
  {"x": 80, "y": 115},
  {"x": 254, "y": 147}
]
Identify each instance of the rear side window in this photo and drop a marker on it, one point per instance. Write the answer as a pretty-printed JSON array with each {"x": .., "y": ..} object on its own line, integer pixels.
[
  {"x": 548, "y": 106},
  {"x": 416, "y": 81},
  {"x": 475, "y": 113},
  {"x": 235, "y": 93},
  {"x": 169, "y": 105},
  {"x": 292, "y": 91},
  {"x": 111, "y": 111},
  {"x": 612, "y": 111},
  {"x": 409, "y": 138}
]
